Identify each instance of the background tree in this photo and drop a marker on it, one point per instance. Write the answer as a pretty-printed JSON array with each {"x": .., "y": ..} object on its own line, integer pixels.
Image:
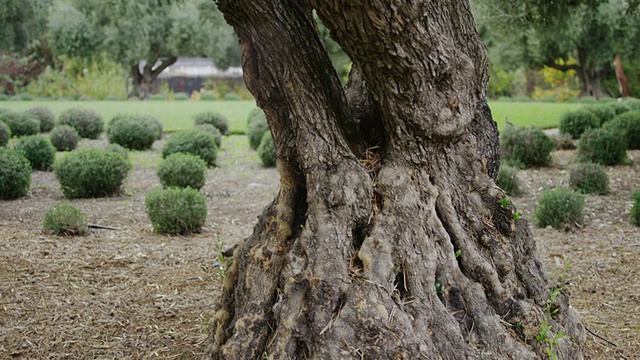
[
  {"x": 151, "y": 31},
  {"x": 590, "y": 31},
  {"x": 388, "y": 238}
]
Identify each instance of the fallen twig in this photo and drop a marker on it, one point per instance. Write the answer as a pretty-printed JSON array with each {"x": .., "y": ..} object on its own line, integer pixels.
[
  {"x": 96, "y": 226},
  {"x": 600, "y": 337}
]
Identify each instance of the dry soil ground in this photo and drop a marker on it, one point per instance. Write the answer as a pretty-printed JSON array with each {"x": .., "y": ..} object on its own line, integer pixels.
[{"x": 133, "y": 294}]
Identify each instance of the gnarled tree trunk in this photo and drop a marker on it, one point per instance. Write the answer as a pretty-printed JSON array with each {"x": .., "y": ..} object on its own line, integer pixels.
[
  {"x": 143, "y": 80},
  {"x": 388, "y": 238}
]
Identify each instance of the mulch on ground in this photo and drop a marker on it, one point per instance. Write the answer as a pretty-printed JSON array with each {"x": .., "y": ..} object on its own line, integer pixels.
[{"x": 134, "y": 294}]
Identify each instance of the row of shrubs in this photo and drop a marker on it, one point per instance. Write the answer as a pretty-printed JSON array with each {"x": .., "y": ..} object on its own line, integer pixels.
[
  {"x": 531, "y": 147},
  {"x": 180, "y": 96},
  {"x": 563, "y": 208}
]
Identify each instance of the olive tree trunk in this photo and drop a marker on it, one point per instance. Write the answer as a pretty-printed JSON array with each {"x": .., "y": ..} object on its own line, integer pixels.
[{"x": 388, "y": 238}]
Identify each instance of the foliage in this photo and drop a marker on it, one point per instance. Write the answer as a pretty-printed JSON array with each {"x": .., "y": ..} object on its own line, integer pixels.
[
  {"x": 256, "y": 114},
  {"x": 64, "y": 138},
  {"x": 267, "y": 150},
  {"x": 38, "y": 150},
  {"x": 181, "y": 96},
  {"x": 231, "y": 96},
  {"x": 45, "y": 115},
  {"x": 158, "y": 97},
  {"x": 589, "y": 178},
  {"x": 602, "y": 146},
  {"x": 99, "y": 79},
  {"x": 20, "y": 123},
  {"x": 15, "y": 174},
  {"x": 16, "y": 71},
  {"x": 87, "y": 122},
  {"x": 635, "y": 209},
  {"x": 182, "y": 170},
  {"x": 136, "y": 132},
  {"x": 64, "y": 219},
  {"x": 213, "y": 131},
  {"x": 195, "y": 142},
  {"x": 257, "y": 127},
  {"x": 526, "y": 147},
  {"x": 559, "y": 208},
  {"x": 629, "y": 124},
  {"x": 176, "y": 210},
  {"x": 89, "y": 173},
  {"x": 5, "y": 133},
  {"x": 146, "y": 29},
  {"x": 208, "y": 96},
  {"x": 603, "y": 112},
  {"x": 508, "y": 179},
  {"x": 577, "y": 122},
  {"x": 118, "y": 149},
  {"x": 564, "y": 142},
  {"x": 214, "y": 118}
]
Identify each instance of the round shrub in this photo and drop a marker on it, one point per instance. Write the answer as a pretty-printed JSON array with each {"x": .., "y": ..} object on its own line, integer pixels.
[
  {"x": 89, "y": 173},
  {"x": 526, "y": 147},
  {"x": 158, "y": 124},
  {"x": 629, "y": 123},
  {"x": 208, "y": 96},
  {"x": 559, "y": 208},
  {"x": 587, "y": 100},
  {"x": 577, "y": 122},
  {"x": 176, "y": 210},
  {"x": 181, "y": 96},
  {"x": 65, "y": 219},
  {"x": 231, "y": 96},
  {"x": 64, "y": 138},
  {"x": 508, "y": 179},
  {"x": 618, "y": 108},
  {"x": 182, "y": 170},
  {"x": 564, "y": 142},
  {"x": 213, "y": 131},
  {"x": 20, "y": 123},
  {"x": 5, "y": 134},
  {"x": 254, "y": 114},
  {"x": 118, "y": 149},
  {"x": 195, "y": 142},
  {"x": 604, "y": 112},
  {"x": 158, "y": 97},
  {"x": 635, "y": 209},
  {"x": 111, "y": 97},
  {"x": 26, "y": 97},
  {"x": 604, "y": 146},
  {"x": 38, "y": 149},
  {"x": 256, "y": 130},
  {"x": 45, "y": 115},
  {"x": 87, "y": 122},
  {"x": 589, "y": 178},
  {"x": 267, "y": 150},
  {"x": 213, "y": 118},
  {"x": 15, "y": 174},
  {"x": 133, "y": 131}
]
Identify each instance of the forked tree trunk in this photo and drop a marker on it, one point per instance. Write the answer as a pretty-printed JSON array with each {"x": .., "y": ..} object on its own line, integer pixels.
[
  {"x": 388, "y": 238},
  {"x": 144, "y": 80}
]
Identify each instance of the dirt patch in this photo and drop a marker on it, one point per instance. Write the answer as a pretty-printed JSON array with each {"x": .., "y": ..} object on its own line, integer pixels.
[{"x": 133, "y": 294}]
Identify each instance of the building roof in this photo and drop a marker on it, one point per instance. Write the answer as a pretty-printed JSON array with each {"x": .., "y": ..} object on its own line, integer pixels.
[{"x": 197, "y": 67}]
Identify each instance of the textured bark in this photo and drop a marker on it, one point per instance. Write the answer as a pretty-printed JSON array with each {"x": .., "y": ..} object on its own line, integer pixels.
[
  {"x": 383, "y": 183},
  {"x": 590, "y": 77},
  {"x": 623, "y": 83}
]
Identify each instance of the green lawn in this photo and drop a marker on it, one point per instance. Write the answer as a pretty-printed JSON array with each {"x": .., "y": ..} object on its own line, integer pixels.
[
  {"x": 525, "y": 114},
  {"x": 176, "y": 115}
]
